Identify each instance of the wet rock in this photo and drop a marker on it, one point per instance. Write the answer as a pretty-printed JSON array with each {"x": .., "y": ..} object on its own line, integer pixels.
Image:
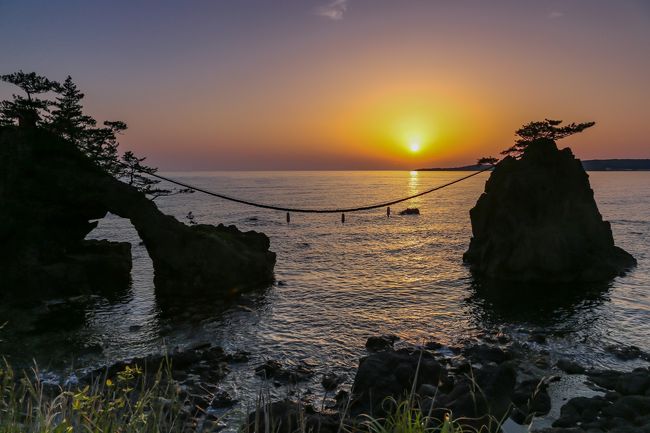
[
  {"x": 537, "y": 221},
  {"x": 487, "y": 353},
  {"x": 269, "y": 369},
  {"x": 604, "y": 378},
  {"x": 342, "y": 398},
  {"x": 192, "y": 366},
  {"x": 222, "y": 399},
  {"x": 628, "y": 407},
  {"x": 490, "y": 393},
  {"x": 612, "y": 395},
  {"x": 331, "y": 380},
  {"x": 611, "y": 414},
  {"x": 238, "y": 356},
  {"x": 627, "y": 353},
  {"x": 433, "y": 345},
  {"x": 538, "y": 337},
  {"x": 273, "y": 369},
  {"x": 391, "y": 374},
  {"x": 462, "y": 367},
  {"x": 636, "y": 382},
  {"x": 570, "y": 367},
  {"x": 410, "y": 211},
  {"x": 532, "y": 399},
  {"x": 382, "y": 342},
  {"x": 580, "y": 409}
]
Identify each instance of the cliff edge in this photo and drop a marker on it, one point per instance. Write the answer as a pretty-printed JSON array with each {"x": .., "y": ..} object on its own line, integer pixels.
[{"x": 49, "y": 194}]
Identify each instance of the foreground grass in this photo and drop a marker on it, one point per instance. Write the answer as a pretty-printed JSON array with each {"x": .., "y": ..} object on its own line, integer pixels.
[
  {"x": 407, "y": 417},
  {"x": 131, "y": 401}
]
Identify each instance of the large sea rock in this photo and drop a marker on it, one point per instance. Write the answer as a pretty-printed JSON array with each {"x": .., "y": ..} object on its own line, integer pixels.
[
  {"x": 537, "y": 221},
  {"x": 50, "y": 193}
]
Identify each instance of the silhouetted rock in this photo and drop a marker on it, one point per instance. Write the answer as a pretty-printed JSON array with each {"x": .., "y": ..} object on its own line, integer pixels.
[
  {"x": 570, "y": 367},
  {"x": 381, "y": 342},
  {"x": 392, "y": 374},
  {"x": 636, "y": 382},
  {"x": 410, "y": 211},
  {"x": 49, "y": 193},
  {"x": 531, "y": 398},
  {"x": 286, "y": 416},
  {"x": 208, "y": 363},
  {"x": 273, "y": 369},
  {"x": 487, "y": 353},
  {"x": 489, "y": 393},
  {"x": 627, "y": 353},
  {"x": 538, "y": 221},
  {"x": 331, "y": 380}
]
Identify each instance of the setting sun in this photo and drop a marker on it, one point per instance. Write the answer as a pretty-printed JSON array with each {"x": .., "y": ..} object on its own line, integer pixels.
[{"x": 414, "y": 146}]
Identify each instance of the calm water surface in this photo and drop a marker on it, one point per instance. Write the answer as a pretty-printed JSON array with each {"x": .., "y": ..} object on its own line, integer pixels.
[{"x": 338, "y": 283}]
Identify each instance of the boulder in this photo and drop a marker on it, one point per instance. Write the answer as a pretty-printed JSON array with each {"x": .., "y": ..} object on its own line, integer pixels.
[
  {"x": 627, "y": 353},
  {"x": 273, "y": 369},
  {"x": 484, "y": 353},
  {"x": 570, "y": 367},
  {"x": 410, "y": 211},
  {"x": 331, "y": 380},
  {"x": 392, "y": 374},
  {"x": 49, "y": 194},
  {"x": 381, "y": 342},
  {"x": 537, "y": 221},
  {"x": 488, "y": 393}
]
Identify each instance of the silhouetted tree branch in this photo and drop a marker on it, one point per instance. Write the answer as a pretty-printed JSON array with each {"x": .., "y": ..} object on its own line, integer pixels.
[
  {"x": 67, "y": 119},
  {"x": 487, "y": 160},
  {"x": 27, "y": 111},
  {"x": 547, "y": 128}
]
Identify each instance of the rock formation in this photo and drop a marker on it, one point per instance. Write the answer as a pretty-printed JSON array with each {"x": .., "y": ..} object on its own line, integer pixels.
[
  {"x": 49, "y": 193},
  {"x": 537, "y": 221}
]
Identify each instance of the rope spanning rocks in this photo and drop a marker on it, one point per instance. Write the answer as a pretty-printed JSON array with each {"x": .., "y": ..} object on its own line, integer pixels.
[
  {"x": 537, "y": 221},
  {"x": 342, "y": 210},
  {"x": 49, "y": 194}
]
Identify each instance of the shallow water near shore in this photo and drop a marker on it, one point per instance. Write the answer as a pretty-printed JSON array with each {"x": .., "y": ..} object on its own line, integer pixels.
[{"x": 337, "y": 284}]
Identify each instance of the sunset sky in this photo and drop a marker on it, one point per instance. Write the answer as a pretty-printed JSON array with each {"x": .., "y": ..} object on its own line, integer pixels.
[{"x": 342, "y": 84}]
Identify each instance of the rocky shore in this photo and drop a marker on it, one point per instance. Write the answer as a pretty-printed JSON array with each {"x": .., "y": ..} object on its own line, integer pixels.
[{"x": 481, "y": 384}]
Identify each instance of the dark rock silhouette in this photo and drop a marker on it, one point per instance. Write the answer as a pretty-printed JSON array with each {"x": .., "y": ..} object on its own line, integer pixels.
[
  {"x": 381, "y": 342},
  {"x": 49, "y": 191},
  {"x": 410, "y": 211},
  {"x": 537, "y": 221},
  {"x": 391, "y": 374},
  {"x": 397, "y": 373}
]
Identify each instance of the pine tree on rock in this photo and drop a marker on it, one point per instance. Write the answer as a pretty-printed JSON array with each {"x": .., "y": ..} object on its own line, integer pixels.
[
  {"x": 26, "y": 110},
  {"x": 67, "y": 118},
  {"x": 548, "y": 129}
]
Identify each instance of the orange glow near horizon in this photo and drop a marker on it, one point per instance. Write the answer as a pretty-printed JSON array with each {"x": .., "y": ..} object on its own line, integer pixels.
[{"x": 271, "y": 85}]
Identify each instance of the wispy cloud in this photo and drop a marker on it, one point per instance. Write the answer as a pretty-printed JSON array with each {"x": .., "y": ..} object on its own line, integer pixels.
[
  {"x": 555, "y": 14},
  {"x": 334, "y": 10}
]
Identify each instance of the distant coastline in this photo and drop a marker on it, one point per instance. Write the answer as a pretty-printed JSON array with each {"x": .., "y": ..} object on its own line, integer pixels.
[{"x": 589, "y": 165}]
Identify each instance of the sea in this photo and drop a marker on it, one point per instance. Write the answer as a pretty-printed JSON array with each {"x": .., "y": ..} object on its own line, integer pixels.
[{"x": 338, "y": 283}]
